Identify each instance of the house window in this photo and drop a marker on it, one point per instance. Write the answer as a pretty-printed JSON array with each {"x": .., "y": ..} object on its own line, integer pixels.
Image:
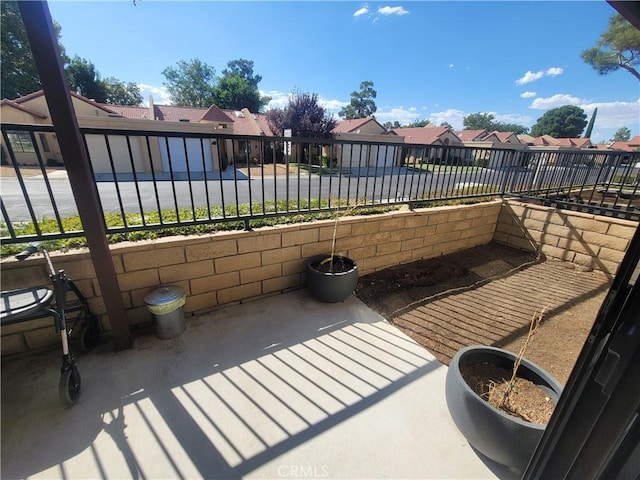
[
  {"x": 44, "y": 142},
  {"x": 21, "y": 142}
]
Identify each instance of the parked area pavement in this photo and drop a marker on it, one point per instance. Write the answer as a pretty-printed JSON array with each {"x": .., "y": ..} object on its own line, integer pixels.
[{"x": 282, "y": 387}]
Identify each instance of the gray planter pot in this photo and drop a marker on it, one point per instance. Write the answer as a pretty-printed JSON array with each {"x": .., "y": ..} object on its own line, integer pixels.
[
  {"x": 332, "y": 287},
  {"x": 508, "y": 440}
]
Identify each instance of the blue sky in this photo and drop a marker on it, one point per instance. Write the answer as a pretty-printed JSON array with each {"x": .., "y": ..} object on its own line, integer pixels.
[{"x": 435, "y": 60}]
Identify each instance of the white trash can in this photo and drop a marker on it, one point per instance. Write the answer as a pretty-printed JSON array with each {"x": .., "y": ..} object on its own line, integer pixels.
[{"x": 165, "y": 305}]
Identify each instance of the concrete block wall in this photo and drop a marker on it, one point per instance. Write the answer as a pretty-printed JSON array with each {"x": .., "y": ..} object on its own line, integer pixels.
[
  {"x": 230, "y": 267},
  {"x": 592, "y": 241}
]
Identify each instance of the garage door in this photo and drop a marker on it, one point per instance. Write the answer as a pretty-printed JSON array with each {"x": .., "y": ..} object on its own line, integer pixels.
[
  {"x": 179, "y": 161},
  {"x": 386, "y": 156}
]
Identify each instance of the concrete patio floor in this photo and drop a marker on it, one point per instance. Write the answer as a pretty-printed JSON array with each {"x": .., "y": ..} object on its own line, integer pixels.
[{"x": 282, "y": 387}]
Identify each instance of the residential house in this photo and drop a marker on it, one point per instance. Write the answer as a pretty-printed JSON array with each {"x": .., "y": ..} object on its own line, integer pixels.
[
  {"x": 177, "y": 153},
  {"x": 549, "y": 141},
  {"x": 503, "y": 138},
  {"x": 471, "y": 135},
  {"x": 493, "y": 149},
  {"x": 385, "y": 153},
  {"x": 144, "y": 152},
  {"x": 545, "y": 148},
  {"x": 243, "y": 151},
  {"x": 425, "y": 144},
  {"x": 632, "y": 145},
  {"x": 32, "y": 109}
]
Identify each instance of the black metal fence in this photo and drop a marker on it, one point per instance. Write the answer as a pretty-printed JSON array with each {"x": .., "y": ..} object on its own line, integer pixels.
[{"x": 149, "y": 179}]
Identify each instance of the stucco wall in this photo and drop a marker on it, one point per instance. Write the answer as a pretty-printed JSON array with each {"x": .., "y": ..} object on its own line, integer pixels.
[
  {"x": 592, "y": 241},
  {"x": 231, "y": 267}
]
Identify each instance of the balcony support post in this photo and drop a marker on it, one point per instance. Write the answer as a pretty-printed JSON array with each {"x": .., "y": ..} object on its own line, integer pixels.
[{"x": 39, "y": 28}]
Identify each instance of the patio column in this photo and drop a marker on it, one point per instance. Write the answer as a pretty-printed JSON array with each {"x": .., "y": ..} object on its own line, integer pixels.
[{"x": 39, "y": 28}]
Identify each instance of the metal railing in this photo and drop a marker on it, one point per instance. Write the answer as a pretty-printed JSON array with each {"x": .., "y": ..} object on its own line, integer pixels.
[{"x": 149, "y": 179}]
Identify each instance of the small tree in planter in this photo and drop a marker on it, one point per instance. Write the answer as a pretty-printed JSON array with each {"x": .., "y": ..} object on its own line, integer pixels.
[
  {"x": 490, "y": 428},
  {"x": 505, "y": 395},
  {"x": 334, "y": 277}
]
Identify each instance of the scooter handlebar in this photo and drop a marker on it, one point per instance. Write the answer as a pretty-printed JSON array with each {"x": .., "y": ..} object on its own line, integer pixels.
[{"x": 30, "y": 250}]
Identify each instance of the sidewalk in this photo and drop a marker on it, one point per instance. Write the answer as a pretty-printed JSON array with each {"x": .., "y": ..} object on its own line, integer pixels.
[{"x": 283, "y": 387}]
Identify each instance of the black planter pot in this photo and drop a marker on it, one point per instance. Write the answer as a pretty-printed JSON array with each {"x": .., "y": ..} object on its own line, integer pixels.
[
  {"x": 503, "y": 438},
  {"x": 332, "y": 287}
]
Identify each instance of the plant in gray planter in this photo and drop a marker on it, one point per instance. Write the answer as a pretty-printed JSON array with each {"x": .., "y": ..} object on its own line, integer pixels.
[
  {"x": 332, "y": 278},
  {"x": 507, "y": 439}
]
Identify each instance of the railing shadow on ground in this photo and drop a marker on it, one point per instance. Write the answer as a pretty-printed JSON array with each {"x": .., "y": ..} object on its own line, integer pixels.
[{"x": 220, "y": 402}]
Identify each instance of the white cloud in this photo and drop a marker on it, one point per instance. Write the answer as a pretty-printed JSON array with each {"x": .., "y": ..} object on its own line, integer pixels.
[
  {"x": 525, "y": 120},
  {"x": 610, "y": 117},
  {"x": 331, "y": 106},
  {"x": 451, "y": 65},
  {"x": 392, "y": 10},
  {"x": 160, "y": 94},
  {"x": 557, "y": 100},
  {"x": 281, "y": 100},
  {"x": 385, "y": 11},
  {"x": 401, "y": 114},
  {"x": 530, "y": 77},
  {"x": 278, "y": 99},
  {"x": 452, "y": 116},
  {"x": 361, "y": 11},
  {"x": 614, "y": 114},
  {"x": 533, "y": 76},
  {"x": 528, "y": 94}
]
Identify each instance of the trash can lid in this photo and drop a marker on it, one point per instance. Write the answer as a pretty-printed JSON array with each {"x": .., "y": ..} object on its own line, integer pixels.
[{"x": 164, "y": 295}]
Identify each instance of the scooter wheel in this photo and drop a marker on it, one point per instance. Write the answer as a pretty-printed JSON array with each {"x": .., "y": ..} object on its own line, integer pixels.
[{"x": 69, "y": 387}]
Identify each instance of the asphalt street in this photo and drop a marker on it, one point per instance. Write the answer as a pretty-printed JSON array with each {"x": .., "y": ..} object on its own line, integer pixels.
[{"x": 376, "y": 186}]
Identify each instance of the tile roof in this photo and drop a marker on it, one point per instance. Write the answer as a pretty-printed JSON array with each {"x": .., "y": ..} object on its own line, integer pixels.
[
  {"x": 40, "y": 93},
  {"x": 261, "y": 118},
  {"x": 172, "y": 113},
  {"x": 242, "y": 125},
  {"x": 137, "y": 113},
  {"x": 504, "y": 137},
  {"x": 543, "y": 141},
  {"x": 581, "y": 142},
  {"x": 346, "y": 126},
  {"x": 569, "y": 142},
  {"x": 30, "y": 96},
  {"x": 214, "y": 114},
  {"x": 549, "y": 141},
  {"x": 631, "y": 146},
  {"x": 247, "y": 123},
  {"x": 470, "y": 135},
  {"x": 526, "y": 138},
  {"x": 422, "y": 135},
  {"x": 23, "y": 108}
]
